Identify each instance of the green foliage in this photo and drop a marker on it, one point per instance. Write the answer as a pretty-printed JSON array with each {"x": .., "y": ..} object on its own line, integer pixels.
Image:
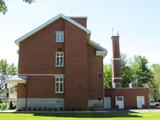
[
  {"x": 154, "y": 84},
  {"x": 132, "y": 70},
  {"x": 3, "y": 106},
  {"x": 126, "y": 71},
  {"x": 141, "y": 72},
  {"x": 12, "y": 70},
  {"x": 3, "y": 7},
  {"x": 5, "y": 70},
  {"x": 107, "y": 75}
]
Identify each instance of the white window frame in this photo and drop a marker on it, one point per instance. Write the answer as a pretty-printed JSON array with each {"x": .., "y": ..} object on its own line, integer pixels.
[
  {"x": 59, "y": 36},
  {"x": 59, "y": 56},
  {"x": 59, "y": 81}
]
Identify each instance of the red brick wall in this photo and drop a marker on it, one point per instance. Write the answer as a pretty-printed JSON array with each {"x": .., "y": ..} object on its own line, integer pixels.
[
  {"x": 83, "y": 71},
  {"x": 76, "y": 76},
  {"x": 39, "y": 87},
  {"x": 21, "y": 88},
  {"x": 130, "y": 96},
  {"x": 37, "y": 53},
  {"x": 115, "y": 46},
  {"x": 116, "y": 69},
  {"x": 95, "y": 74}
]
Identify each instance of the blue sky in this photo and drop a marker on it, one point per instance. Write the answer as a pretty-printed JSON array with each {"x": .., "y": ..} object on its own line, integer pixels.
[{"x": 138, "y": 22}]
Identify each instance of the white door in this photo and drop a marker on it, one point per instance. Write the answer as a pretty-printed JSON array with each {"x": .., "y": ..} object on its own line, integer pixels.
[
  {"x": 140, "y": 101},
  {"x": 107, "y": 102},
  {"x": 120, "y": 102}
]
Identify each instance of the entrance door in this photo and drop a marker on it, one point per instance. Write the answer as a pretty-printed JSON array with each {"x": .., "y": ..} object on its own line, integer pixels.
[
  {"x": 140, "y": 101},
  {"x": 107, "y": 102},
  {"x": 120, "y": 102}
]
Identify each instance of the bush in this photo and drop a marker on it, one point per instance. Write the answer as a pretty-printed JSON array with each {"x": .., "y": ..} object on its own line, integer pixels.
[
  {"x": 3, "y": 106},
  {"x": 61, "y": 109},
  {"x": 34, "y": 109},
  {"x": 39, "y": 109},
  {"x": 45, "y": 108},
  {"x": 49, "y": 109},
  {"x": 55, "y": 109},
  {"x": 29, "y": 108},
  {"x": 10, "y": 105},
  {"x": 24, "y": 109}
]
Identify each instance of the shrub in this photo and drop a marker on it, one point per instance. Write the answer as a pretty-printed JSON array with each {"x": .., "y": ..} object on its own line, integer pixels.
[
  {"x": 29, "y": 109},
  {"x": 34, "y": 109},
  {"x": 45, "y": 108},
  {"x": 49, "y": 109},
  {"x": 39, "y": 109},
  {"x": 55, "y": 109},
  {"x": 61, "y": 109},
  {"x": 3, "y": 106}
]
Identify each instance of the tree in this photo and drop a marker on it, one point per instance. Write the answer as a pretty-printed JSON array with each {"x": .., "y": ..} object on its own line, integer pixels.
[
  {"x": 154, "y": 84},
  {"x": 126, "y": 71},
  {"x": 141, "y": 71},
  {"x": 132, "y": 70},
  {"x": 5, "y": 70},
  {"x": 3, "y": 7},
  {"x": 107, "y": 75}
]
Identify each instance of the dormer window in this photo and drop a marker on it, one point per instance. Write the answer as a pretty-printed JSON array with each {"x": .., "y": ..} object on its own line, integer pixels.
[{"x": 59, "y": 36}]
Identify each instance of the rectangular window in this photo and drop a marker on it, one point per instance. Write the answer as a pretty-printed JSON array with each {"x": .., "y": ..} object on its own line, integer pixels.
[
  {"x": 119, "y": 98},
  {"x": 59, "y": 36},
  {"x": 59, "y": 59},
  {"x": 59, "y": 84}
]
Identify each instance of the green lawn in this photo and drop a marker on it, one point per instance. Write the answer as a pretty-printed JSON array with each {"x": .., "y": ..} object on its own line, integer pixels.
[{"x": 106, "y": 116}]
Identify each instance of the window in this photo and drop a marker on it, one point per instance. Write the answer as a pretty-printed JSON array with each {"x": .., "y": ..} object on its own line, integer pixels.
[
  {"x": 119, "y": 98},
  {"x": 59, "y": 36},
  {"x": 59, "y": 84},
  {"x": 59, "y": 59}
]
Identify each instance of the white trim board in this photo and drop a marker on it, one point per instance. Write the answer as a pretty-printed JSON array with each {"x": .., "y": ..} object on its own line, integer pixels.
[
  {"x": 100, "y": 50},
  {"x": 117, "y": 78},
  {"x": 41, "y": 75}
]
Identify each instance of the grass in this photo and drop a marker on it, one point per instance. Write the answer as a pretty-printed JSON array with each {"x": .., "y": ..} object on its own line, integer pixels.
[{"x": 100, "y": 116}]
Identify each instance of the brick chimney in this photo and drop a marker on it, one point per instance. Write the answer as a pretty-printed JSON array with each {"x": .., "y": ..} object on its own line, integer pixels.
[
  {"x": 116, "y": 63},
  {"x": 80, "y": 20}
]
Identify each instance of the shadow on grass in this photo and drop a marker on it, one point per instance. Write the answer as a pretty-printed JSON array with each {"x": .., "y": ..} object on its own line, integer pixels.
[{"x": 90, "y": 115}]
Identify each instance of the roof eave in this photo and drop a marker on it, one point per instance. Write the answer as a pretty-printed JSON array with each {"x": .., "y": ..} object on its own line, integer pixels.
[{"x": 98, "y": 47}]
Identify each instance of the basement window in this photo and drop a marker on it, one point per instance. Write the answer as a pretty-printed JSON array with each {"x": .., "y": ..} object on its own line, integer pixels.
[
  {"x": 59, "y": 84},
  {"x": 59, "y": 36}
]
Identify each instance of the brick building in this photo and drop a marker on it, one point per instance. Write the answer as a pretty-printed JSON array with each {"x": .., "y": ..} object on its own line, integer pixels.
[{"x": 62, "y": 66}]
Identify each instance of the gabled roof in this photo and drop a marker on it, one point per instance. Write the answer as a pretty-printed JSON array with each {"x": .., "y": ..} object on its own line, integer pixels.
[
  {"x": 49, "y": 22},
  {"x": 92, "y": 43}
]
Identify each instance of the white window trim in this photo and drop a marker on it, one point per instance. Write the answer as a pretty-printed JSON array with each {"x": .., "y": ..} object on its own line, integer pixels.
[
  {"x": 59, "y": 77},
  {"x": 56, "y": 60},
  {"x": 59, "y": 32}
]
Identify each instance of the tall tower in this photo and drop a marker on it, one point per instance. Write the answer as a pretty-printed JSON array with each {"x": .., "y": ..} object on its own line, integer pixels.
[{"x": 116, "y": 63}]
